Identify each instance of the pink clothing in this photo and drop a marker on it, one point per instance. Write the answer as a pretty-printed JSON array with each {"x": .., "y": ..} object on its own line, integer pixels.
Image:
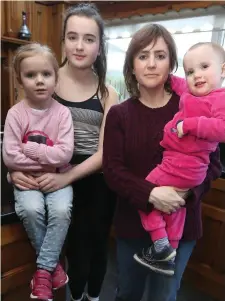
[
  {"x": 185, "y": 160},
  {"x": 162, "y": 225},
  {"x": 38, "y": 141}
]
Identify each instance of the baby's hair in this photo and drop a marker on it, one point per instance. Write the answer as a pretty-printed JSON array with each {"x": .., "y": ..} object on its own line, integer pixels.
[
  {"x": 219, "y": 50},
  {"x": 30, "y": 50}
]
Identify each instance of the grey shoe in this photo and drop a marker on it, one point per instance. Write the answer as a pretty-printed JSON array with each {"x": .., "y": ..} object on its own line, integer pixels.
[{"x": 158, "y": 262}]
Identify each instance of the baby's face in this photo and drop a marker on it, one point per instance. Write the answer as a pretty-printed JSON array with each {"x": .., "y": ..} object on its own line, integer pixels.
[{"x": 203, "y": 69}]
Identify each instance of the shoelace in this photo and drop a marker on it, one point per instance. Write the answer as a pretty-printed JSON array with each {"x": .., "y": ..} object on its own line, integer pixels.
[{"x": 148, "y": 253}]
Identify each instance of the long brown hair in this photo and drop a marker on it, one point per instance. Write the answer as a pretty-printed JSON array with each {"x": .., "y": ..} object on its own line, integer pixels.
[
  {"x": 141, "y": 39},
  {"x": 89, "y": 10}
]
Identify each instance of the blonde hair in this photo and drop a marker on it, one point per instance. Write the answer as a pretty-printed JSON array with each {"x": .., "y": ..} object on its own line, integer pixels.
[
  {"x": 30, "y": 50},
  {"x": 219, "y": 50}
]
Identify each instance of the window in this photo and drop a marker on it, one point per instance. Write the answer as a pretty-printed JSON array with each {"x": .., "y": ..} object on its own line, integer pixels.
[{"x": 186, "y": 32}]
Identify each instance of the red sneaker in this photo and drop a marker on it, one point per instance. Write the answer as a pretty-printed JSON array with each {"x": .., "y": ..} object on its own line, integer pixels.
[
  {"x": 41, "y": 286},
  {"x": 59, "y": 277}
]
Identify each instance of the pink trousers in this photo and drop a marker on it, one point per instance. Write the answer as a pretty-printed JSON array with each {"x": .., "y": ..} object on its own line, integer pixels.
[{"x": 160, "y": 225}]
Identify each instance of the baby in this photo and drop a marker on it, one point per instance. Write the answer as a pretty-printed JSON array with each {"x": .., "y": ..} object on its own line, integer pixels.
[{"x": 188, "y": 140}]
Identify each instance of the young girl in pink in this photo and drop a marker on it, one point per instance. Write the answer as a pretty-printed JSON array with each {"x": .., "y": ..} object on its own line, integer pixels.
[
  {"x": 189, "y": 138},
  {"x": 39, "y": 138}
]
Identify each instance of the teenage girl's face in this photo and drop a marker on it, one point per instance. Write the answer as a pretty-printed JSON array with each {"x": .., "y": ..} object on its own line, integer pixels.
[
  {"x": 81, "y": 41},
  {"x": 38, "y": 79},
  {"x": 152, "y": 65}
]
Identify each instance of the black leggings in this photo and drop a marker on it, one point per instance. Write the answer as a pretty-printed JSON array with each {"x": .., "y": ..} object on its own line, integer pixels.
[{"x": 88, "y": 234}]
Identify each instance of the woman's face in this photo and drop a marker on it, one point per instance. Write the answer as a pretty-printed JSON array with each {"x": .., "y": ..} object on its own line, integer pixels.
[
  {"x": 152, "y": 65},
  {"x": 81, "y": 41}
]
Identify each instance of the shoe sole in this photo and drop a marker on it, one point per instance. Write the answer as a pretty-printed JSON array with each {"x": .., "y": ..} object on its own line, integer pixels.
[
  {"x": 56, "y": 288},
  {"x": 164, "y": 272},
  {"x": 38, "y": 298},
  {"x": 35, "y": 297}
]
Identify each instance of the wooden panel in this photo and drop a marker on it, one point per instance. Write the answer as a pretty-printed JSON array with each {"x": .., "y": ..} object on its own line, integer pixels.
[
  {"x": 12, "y": 233},
  {"x": 40, "y": 23},
  {"x": 215, "y": 213},
  {"x": 3, "y": 19},
  {"x": 220, "y": 183},
  {"x": 22, "y": 292},
  {"x": 209, "y": 285},
  {"x": 5, "y": 105},
  {"x": 10, "y": 254},
  {"x": 17, "y": 41},
  {"x": 206, "y": 268},
  {"x": 14, "y": 15},
  {"x": 55, "y": 26},
  {"x": 38, "y": 17},
  {"x": 17, "y": 277},
  {"x": 215, "y": 198}
]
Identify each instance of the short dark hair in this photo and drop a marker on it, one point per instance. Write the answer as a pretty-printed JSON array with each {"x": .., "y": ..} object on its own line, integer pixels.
[
  {"x": 142, "y": 38},
  {"x": 90, "y": 11}
]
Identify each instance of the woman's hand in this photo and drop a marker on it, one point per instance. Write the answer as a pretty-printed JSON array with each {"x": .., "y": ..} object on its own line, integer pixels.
[
  {"x": 23, "y": 180},
  {"x": 166, "y": 199},
  {"x": 50, "y": 182}
]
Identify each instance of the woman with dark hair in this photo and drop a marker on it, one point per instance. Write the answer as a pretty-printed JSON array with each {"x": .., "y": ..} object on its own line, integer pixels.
[
  {"x": 132, "y": 149},
  {"x": 81, "y": 87}
]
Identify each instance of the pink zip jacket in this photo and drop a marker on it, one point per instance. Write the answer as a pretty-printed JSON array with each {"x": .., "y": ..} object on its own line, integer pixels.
[
  {"x": 37, "y": 141},
  {"x": 185, "y": 161}
]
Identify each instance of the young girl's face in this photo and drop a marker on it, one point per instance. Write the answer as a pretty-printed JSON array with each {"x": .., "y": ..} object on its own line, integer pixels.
[
  {"x": 203, "y": 69},
  {"x": 38, "y": 78},
  {"x": 82, "y": 41}
]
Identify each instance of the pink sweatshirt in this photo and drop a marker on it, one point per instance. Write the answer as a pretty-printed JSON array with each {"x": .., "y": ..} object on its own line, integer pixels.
[
  {"x": 185, "y": 161},
  {"x": 51, "y": 128}
]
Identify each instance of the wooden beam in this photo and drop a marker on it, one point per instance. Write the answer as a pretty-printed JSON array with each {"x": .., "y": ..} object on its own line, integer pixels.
[
  {"x": 125, "y": 9},
  {"x": 140, "y": 8}
]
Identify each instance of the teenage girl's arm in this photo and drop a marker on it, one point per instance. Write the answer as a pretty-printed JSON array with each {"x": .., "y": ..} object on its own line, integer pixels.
[{"x": 51, "y": 182}]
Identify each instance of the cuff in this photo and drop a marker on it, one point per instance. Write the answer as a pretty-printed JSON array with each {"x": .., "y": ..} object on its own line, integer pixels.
[
  {"x": 30, "y": 150},
  {"x": 190, "y": 125}
]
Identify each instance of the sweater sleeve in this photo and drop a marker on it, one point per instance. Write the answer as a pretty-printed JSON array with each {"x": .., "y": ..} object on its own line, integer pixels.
[
  {"x": 214, "y": 172},
  {"x": 209, "y": 128},
  {"x": 13, "y": 156},
  {"x": 118, "y": 176},
  {"x": 58, "y": 154},
  {"x": 178, "y": 84}
]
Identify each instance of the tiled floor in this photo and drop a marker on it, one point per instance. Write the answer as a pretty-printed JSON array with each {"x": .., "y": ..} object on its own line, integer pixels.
[{"x": 186, "y": 293}]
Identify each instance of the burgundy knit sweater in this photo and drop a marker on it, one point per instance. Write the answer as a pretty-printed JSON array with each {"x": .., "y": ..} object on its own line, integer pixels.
[{"x": 131, "y": 150}]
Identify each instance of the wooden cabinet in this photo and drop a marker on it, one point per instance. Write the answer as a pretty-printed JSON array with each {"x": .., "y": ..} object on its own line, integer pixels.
[
  {"x": 45, "y": 24},
  {"x": 206, "y": 268},
  {"x": 38, "y": 17}
]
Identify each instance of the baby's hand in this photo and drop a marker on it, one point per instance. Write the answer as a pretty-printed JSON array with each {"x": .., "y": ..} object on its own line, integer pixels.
[{"x": 180, "y": 132}]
